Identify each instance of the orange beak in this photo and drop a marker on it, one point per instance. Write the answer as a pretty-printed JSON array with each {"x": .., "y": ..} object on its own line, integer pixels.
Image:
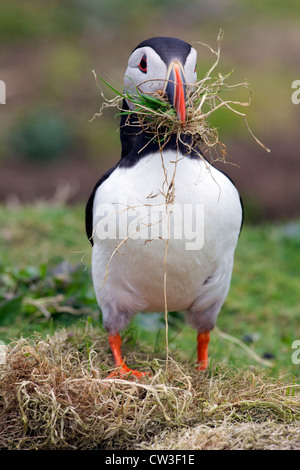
[{"x": 176, "y": 89}]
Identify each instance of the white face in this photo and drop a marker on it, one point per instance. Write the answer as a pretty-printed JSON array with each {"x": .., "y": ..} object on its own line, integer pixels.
[{"x": 154, "y": 78}]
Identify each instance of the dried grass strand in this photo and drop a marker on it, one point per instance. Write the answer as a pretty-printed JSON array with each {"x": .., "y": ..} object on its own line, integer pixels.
[{"x": 54, "y": 395}]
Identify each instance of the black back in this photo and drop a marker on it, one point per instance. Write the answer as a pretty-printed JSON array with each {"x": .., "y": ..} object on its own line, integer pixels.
[{"x": 89, "y": 207}]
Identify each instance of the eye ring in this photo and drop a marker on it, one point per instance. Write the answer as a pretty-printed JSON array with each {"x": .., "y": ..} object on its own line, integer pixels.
[{"x": 143, "y": 64}]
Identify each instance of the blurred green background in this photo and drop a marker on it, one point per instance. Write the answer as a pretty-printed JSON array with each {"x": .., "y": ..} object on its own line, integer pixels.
[
  {"x": 50, "y": 152},
  {"x": 48, "y": 51}
]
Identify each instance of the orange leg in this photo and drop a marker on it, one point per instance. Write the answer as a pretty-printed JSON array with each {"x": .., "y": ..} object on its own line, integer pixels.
[
  {"x": 202, "y": 359},
  {"x": 122, "y": 369}
]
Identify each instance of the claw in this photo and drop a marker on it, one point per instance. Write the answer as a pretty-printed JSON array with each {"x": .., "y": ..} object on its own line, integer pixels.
[{"x": 125, "y": 372}]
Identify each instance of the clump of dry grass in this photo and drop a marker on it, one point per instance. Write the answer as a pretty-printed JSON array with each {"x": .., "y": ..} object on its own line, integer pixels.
[
  {"x": 231, "y": 436},
  {"x": 157, "y": 117},
  {"x": 54, "y": 395}
]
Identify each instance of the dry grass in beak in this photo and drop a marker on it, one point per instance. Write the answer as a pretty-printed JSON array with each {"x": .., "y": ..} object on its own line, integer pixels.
[{"x": 156, "y": 115}]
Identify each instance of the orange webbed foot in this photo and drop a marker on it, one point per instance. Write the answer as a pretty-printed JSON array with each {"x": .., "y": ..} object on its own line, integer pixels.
[
  {"x": 202, "y": 350},
  {"x": 122, "y": 371}
]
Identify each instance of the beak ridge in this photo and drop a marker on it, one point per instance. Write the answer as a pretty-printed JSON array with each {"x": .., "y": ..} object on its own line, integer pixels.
[{"x": 176, "y": 89}]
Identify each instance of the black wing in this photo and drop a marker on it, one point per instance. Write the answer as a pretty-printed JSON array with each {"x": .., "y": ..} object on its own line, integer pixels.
[
  {"x": 241, "y": 200},
  {"x": 90, "y": 204}
]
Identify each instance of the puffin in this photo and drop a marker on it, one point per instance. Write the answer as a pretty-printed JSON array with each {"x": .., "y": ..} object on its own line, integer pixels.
[{"x": 163, "y": 223}]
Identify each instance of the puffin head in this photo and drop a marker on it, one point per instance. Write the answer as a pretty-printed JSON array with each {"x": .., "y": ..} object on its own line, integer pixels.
[{"x": 162, "y": 64}]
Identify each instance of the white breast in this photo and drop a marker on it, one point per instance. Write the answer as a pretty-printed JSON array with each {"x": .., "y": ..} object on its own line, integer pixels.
[{"x": 133, "y": 228}]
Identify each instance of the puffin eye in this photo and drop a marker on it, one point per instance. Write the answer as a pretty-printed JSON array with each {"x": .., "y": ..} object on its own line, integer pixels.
[{"x": 143, "y": 64}]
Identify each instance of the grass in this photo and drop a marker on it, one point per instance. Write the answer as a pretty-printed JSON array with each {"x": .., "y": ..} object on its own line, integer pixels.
[
  {"x": 55, "y": 395},
  {"x": 158, "y": 118},
  {"x": 46, "y": 284},
  {"x": 53, "y": 388}
]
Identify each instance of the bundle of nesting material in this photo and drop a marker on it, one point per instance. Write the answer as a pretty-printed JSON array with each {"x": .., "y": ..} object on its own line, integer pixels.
[{"x": 158, "y": 118}]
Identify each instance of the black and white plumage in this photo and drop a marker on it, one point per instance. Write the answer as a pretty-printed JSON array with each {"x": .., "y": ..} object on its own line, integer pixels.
[{"x": 130, "y": 279}]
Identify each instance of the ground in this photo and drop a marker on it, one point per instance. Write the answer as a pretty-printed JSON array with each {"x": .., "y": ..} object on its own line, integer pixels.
[{"x": 50, "y": 158}]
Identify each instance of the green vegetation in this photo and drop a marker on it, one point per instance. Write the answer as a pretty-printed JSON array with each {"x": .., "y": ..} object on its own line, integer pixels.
[
  {"x": 41, "y": 136},
  {"x": 51, "y": 390},
  {"x": 62, "y": 43},
  {"x": 45, "y": 284}
]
